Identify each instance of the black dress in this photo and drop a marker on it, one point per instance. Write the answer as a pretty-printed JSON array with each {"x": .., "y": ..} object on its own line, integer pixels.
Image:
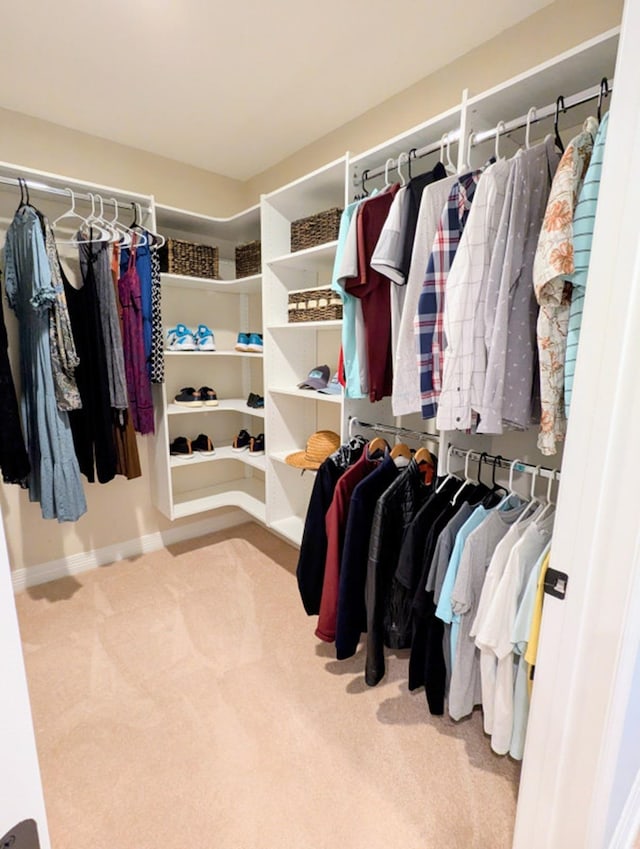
[
  {"x": 91, "y": 426},
  {"x": 14, "y": 460}
]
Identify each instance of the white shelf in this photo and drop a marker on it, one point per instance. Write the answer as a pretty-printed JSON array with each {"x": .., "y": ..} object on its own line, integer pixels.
[
  {"x": 224, "y": 452},
  {"x": 243, "y": 227},
  {"x": 242, "y": 286},
  {"x": 212, "y": 354},
  {"x": 290, "y": 528},
  {"x": 226, "y": 405},
  {"x": 246, "y": 493},
  {"x": 308, "y": 325},
  {"x": 321, "y": 189},
  {"x": 281, "y": 457},
  {"x": 318, "y": 258},
  {"x": 307, "y": 394}
]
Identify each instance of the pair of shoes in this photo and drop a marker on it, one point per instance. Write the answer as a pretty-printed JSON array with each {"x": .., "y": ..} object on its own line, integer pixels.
[
  {"x": 185, "y": 448},
  {"x": 255, "y": 401},
  {"x": 251, "y": 342},
  {"x": 244, "y": 440},
  {"x": 180, "y": 338},
  {"x": 189, "y": 397}
]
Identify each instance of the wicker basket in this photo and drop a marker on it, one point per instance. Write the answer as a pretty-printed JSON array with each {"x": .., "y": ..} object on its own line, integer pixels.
[
  {"x": 315, "y": 230},
  {"x": 248, "y": 259},
  {"x": 314, "y": 305},
  {"x": 178, "y": 257}
]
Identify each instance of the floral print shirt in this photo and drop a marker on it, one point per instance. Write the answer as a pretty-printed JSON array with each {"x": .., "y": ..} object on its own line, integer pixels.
[{"x": 553, "y": 265}]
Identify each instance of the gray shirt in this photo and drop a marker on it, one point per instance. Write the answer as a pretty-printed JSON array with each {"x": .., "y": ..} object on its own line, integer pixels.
[
  {"x": 510, "y": 307},
  {"x": 465, "y": 690}
]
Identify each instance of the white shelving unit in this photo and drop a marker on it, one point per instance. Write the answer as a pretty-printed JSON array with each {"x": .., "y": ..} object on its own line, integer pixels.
[
  {"x": 293, "y": 349},
  {"x": 228, "y": 306}
]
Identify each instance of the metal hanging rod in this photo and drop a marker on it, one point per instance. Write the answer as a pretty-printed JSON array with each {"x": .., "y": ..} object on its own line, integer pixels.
[
  {"x": 569, "y": 102},
  {"x": 504, "y": 463},
  {"x": 45, "y": 188},
  {"x": 393, "y": 430},
  {"x": 414, "y": 153}
]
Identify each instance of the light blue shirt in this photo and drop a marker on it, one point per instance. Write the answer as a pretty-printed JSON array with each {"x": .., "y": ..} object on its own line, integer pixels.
[
  {"x": 349, "y": 348},
  {"x": 444, "y": 609},
  {"x": 583, "y": 222}
]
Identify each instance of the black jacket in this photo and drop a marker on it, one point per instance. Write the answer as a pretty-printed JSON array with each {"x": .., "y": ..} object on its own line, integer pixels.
[{"x": 388, "y": 602}]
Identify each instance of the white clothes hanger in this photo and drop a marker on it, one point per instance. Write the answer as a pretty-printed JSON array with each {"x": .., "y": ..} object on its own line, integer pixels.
[
  {"x": 469, "y": 145},
  {"x": 532, "y": 116},
  {"x": 70, "y": 213},
  {"x": 449, "y": 472},
  {"x": 467, "y": 479},
  {"x": 550, "y": 505},
  {"x": 387, "y": 165},
  {"x": 451, "y": 168},
  {"x": 501, "y": 127},
  {"x": 124, "y": 236},
  {"x": 534, "y": 501},
  {"x": 403, "y": 181}
]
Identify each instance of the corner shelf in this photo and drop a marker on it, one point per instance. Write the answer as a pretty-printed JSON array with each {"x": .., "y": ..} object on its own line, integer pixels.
[
  {"x": 246, "y": 493},
  {"x": 240, "y": 286},
  {"x": 213, "y": 354},
  {"x": 290, "y": 528},
  {"x": 306, "y": 394},
  {"x": 308, "y": 325},
  {"x": 226, "y": 405},
  {"x": 311, "y": 259},
  {"x": 224, "y": 452}
]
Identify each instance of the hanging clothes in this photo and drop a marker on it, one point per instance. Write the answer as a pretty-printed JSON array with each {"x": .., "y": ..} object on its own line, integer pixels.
[
  {"x": 157, "y": 335},
  {"x": 405, "y": 397},
  {"x": 64, "y": 357},
  {"x": 142, "y": 259},
  {"x": 313, "y": 547},
  {"x": 54, "y": 480},
  {"x": 583, "y": 223},
  {"x": 124, "y": 435},
  {"x": 91, "y": 426},
  {"x": 465, "y": 362},
  {"x": 553, "y": 267},
  {"x": 372, "y": 288},
  {"x": 428, "y": 324},
  {"x": 138, "y": 384},
  {"x": 510, "y": 384},
  {"x": 14, "y": 462}
]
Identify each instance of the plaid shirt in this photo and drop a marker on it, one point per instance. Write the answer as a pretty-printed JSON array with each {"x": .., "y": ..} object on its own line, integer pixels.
[{"x": 429, "y": 320}]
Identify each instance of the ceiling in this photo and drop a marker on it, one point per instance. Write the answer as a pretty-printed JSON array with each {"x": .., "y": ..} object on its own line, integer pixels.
[{"x": 230, "y": 87}]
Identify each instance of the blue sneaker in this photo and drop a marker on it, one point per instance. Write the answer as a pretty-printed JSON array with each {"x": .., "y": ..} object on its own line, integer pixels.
[
  {"x": 180, "y": 338},
  {"x": 255, "y": 343},
  {"x": 205, "y": 340},
  {"x": 243, "y": 342}
]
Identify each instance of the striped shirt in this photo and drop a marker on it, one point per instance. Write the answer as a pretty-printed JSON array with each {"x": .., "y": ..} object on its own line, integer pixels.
[
  {"x": 429, "y": 320},
  {"x": 582, "y": 237}
]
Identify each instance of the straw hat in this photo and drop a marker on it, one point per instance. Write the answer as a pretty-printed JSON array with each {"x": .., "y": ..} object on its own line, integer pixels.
[{"x": 320, "y": 445}]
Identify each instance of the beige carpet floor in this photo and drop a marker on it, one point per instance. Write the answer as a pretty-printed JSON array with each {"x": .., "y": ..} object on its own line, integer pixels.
[{"x": 181, "y": 700}]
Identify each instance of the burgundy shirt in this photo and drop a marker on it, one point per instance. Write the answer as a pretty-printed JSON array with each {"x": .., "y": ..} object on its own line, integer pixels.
[
  {"x": 336, "y": 524},
  {"x": 373, "y": 290}
]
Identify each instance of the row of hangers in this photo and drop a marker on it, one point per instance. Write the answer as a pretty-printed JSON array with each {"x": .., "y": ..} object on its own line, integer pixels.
[
  {"x": 101, "y": 228},
  {"x": 500, "y": 129}
]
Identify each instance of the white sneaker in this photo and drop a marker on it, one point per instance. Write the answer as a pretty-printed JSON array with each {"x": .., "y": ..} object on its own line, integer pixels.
[{"x": 180, "y": 338}]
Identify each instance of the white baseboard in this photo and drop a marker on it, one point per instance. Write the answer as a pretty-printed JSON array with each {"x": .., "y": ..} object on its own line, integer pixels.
[{"x": 74, "y": 564}]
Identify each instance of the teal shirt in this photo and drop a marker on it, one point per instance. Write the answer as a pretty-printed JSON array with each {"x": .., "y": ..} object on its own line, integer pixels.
[{"x": 583, "y": 223}]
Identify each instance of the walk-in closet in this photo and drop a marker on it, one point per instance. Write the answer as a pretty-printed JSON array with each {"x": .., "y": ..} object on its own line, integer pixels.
[{"x": 319, "y": 381}]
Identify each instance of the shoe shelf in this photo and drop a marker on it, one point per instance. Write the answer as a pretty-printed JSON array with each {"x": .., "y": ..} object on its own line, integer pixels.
[
  {"x": 226, "y": 405},
  {"x": 246, "y": 493},
  {"x": 306, "y": 394},
  {"x": 240, "y": 286},
  {"x": 250, "y": 354},
  {"x": 291, "y": 528},
  {"x": 224, "y": 452}
]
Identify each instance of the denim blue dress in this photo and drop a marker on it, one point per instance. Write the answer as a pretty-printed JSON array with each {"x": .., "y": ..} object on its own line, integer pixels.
[{"x": 55, "y": 476}]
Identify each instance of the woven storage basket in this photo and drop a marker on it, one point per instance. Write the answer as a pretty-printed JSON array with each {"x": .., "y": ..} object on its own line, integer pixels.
[
  {"x": 248, "y": 259},
  {"x": 315, "y": 230},
  {"x": 314, "y": 305},
  {"x": 178, "y": 257}
]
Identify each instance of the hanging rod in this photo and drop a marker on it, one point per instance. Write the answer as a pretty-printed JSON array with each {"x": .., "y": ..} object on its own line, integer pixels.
[
  {"x": 540, "y": 114},
  {"x": 500, "y": 461},
  {"x": 414, "y": 153},
  {"x": 393, "y": 430},
  {"x": 38, "y": 186},
  {"x": 504, "y": 463}
]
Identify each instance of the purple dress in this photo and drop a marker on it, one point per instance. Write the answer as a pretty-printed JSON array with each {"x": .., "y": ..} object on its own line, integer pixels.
[{"x": 138, "y": 383}]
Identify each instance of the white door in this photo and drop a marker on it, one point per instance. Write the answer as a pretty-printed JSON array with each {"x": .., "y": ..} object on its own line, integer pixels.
[
  {"x": 20, "y": 786},
  {"x": 571, "y": 780}
]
